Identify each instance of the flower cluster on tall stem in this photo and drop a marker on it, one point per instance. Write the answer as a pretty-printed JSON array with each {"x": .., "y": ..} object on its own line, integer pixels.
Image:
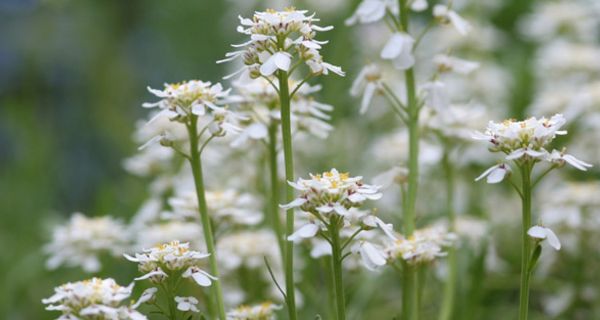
[
  {"x": 328, "y": 198},
  {"x": 201, "y": 108},
  {"x": 525, "y": 144},
  {"x": 280, "y": 42}
]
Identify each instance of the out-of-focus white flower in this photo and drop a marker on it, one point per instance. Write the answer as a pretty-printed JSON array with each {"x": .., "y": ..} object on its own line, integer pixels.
[
  {"x": 186, "y": 304},
  {"x": 248, "y": 249},
  {"x": 277, "y": 38},
  {"x": 83, "y": 239},
  {"x": 390, "y": 149},
  {"x": 263, "y": 311},
  {"x": 149, "y": 161},
  {"x": 447, "y": 63},
  {"x": 93, "y": 299},
  {"x": 496, "y": 173},
  {"x": 446, "y": 16},
  {"x": 422, "y": 247},
  {"x": 161, "y": 261},
  {"x": 543, "y": 233},
  {"x": 367, "y": 83},
  {"x": 148, "y": 235},
  {"x": 147, "y": 295},
  {"x": 260, "y": 105},
  {"x": 457, "y": 121},
  {"x": 399, "y": 49},
  {"x": 228, "y": 206},
  {"x": 394, "y": 175},
  {"x": 436, "y": 96},
  {"x": 369, "y": 11}
]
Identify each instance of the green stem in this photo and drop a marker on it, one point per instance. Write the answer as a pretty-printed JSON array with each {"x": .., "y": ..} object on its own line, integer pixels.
[
  {"x": 286, "y": 130},
  {"x": 336, "y": 259},
  {"x": 274, "y": 199},
  {"x": 449, "y": 289},
  {"x": 196, "y": 164},
  {"x": 526, "y": 243},
  {"x": 410, "y": 288}
]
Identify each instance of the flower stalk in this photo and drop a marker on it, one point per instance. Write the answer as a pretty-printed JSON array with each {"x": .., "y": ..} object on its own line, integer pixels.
[
  {"x": 410, "y": 287},
  {"x": 526, "y": 187},
  {"x": 274, "y": 197},
  {"x": 448, "y": 302},
  {"x": 337, "y": 259},
  {"x": 286, "y": 132},
  {"x": 196, "y": 163}
]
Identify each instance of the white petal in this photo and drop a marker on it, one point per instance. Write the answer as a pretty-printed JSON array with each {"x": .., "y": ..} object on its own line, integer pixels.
[
  {"x": 367, "y": 97},
  {"x": 496, "y": 175},
  {"x": 552, "y": 239},
  {"x": 537, "y": 232},
  {"x": 294, "y": 204},
  {"x": 371, "y": 257},
  {"x": 306, "y": 231}
]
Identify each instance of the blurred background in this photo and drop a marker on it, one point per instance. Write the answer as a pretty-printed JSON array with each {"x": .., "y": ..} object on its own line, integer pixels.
[{"x": 73, "y": 75}]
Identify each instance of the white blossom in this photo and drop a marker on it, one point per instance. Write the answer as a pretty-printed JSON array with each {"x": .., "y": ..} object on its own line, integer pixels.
[
  {"x": 496, "y": 173},
  {"x": 263, "y": 311},
  {"x": 187, "y": 304},
  {"x": 367, "y": 83},
  {"x": 399, "y": 49},
  {"x": 447, "y": 63},
  {"x": 543, "y": 233},
  {"x": 445, "y": 15},
  {"x": 81, "y": 240},
  {"x": 93, "y": 299}
]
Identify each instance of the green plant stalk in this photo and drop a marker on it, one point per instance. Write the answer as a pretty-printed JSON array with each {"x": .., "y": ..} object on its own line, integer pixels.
[
  {"x": 286, "y": 130},
  {"x": 336, "y": 251},
  {"x": 526, "y": 243},
  {"x": 196, "y": 163},
  {"x": 449, "y": 289},
  {"x": 274, "y": 198},
  {"x": 409, "y": 289}
]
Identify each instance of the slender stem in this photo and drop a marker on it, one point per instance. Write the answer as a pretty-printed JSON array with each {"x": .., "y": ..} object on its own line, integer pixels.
[
  {"x": 526, "y": 243},
  {"x": 196, "y": 164},
  {"x": 336, "y": 252},
  {"x": 274, "y": 199},
  {"x": 409, "y": 292},
  {"x": 448, "y": 302},
  {"x": 286, "y": 130},
  {"x": 409, "y": 302}
]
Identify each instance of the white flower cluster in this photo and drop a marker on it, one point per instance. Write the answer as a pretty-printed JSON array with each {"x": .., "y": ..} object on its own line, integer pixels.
[
  {"x": 331, "y": 192},
  {"x": 263, "y": 311},
  {"x": 276, "y": 39},
  {"x": 194, "y": 97},
  {"x": 171, "y": 259},
  {"x": 525, "y": 141},
  {"x": 422, "y": 247},
  {"x": 227, "y": 206},
  {"x": 260, "y": 104},
  {"x": 248, "y": 249},
  {"x": 93, "y": 299},
  {"x": 83, "y": 239}
]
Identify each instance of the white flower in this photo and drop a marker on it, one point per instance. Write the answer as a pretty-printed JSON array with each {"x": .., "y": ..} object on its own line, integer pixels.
[
  {"x": 147, "y": 295},
  {"x": 367, "y": 83},
  {"x": 187, "y": 304},
  {"x": 264, "y": 311},
  {"x": 436, "y": 96},
  {"x": 543, "y": 233},
  {"x": 161, "y": 261},
  {"x": 248, "y": 249},
  {"x": 371, "y": 256},
  {"x": 93, "y": 299},
  {"x": 399, "y": 49},
  {"x": 83, "y": 239},
  {"x": 561, "y": 158},
  {"x": 495, "y": 174},
  {"x": 445, "y": 15},
  {"x": 369, "y": 11},
  {"x": 447, "y": 63},
  {"x": 227, "y": 206},
  {"x": 419, "y": 5},
  {"x": 277, "y": 38}
]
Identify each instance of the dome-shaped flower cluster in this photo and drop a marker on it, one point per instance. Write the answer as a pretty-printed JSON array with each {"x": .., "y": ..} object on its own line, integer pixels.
[
  {"x": 172, "y": 259},
  {"x": 525, "y": 142},
  {"x": 278, "y": 37},
  {"x": 95, "y": 298},
  {"x": 332, "y": 192}
]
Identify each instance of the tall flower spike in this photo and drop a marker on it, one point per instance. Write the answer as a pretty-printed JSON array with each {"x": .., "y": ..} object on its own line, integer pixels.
[{"x": 277, "y": 39}]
